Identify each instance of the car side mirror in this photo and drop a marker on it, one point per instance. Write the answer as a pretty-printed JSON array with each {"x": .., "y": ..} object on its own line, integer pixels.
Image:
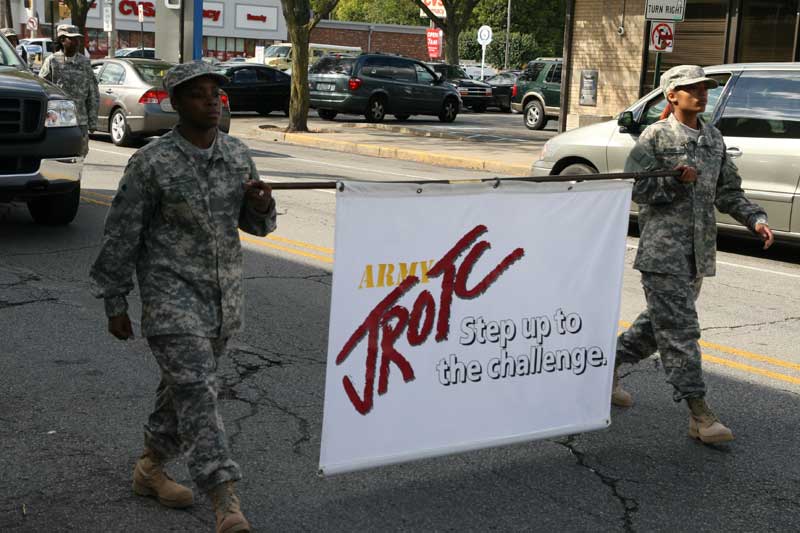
[{"x": 627, "y": 124}]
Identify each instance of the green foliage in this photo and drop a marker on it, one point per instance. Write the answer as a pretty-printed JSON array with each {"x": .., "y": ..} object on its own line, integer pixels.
[
  {"x": 379, "y": 12},
  {"x": 522, "y": 48}
]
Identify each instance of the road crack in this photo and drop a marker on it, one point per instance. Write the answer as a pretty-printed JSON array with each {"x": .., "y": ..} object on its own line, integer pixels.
[
  {"x": 630, "y": 505},
  {"x": 756, "y": 324}
]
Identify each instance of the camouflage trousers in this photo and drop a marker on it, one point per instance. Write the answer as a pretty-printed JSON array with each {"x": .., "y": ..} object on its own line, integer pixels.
[
  {"x": 669, "y": 325},
  {"x": 186, "y": 418}
]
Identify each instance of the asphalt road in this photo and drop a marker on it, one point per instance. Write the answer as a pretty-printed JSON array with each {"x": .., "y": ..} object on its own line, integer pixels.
[{"x": 73, "y": 399}]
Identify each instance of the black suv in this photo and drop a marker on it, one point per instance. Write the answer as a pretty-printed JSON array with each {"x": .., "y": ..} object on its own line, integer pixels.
[
  {"x": 538, "y": 92},
  {"x": 40, "y": 143},
  {"x": 475, "y": 94},
  {"x": 375, "y": 85}
]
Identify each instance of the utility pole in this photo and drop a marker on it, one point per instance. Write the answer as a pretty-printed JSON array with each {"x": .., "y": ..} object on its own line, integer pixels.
[{"x": 508, "y": 33}]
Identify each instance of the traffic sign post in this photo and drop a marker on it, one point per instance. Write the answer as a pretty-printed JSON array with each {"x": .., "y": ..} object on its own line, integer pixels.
[
  {"x": 141, "y": 28},
  {"x": 484, "y": 38},
  {"x": 662, "y": 40}
]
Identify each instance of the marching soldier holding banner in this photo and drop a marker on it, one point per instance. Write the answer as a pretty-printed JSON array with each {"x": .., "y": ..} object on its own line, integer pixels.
[
  {"x": 174, "y": 220},
  {"x": 677, "y": 246}
]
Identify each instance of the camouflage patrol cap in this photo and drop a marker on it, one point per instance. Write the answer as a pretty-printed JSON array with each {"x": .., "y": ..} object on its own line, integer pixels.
[
  {"x": 67, "y": 30},
  {"x": 188, "y": 71},
  {"x": 7, "y": 32},
  {"x": 683, "y": 75}
]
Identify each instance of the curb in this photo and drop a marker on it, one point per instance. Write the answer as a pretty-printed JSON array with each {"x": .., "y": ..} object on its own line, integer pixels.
[{"x": 431, "y": 158}]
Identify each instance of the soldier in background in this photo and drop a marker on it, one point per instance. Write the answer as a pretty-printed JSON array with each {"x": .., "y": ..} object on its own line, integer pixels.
[
  {"x": 175, "y": 220},
  {"x": 11, "y": 35},
  {"x": 73, "y": 72},
  {"x": 677, "y": 247}
]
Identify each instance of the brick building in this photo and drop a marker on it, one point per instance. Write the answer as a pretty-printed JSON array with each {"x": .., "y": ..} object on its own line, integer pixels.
[
  {"x": 612, "y": 38},
  {"x": 409, "y": 41}
]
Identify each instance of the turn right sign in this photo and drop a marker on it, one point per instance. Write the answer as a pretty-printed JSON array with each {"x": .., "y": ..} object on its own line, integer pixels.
[{"x": 672, "y": 10}]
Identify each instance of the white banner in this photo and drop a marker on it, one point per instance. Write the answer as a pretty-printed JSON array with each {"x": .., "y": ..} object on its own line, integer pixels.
[{"x": 469, "y": 316}]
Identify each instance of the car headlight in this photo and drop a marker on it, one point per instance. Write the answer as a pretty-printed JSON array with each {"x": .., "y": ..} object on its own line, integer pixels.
[
  {"x": 61, "y": 114},
  {"x": 547, "y": 150}
]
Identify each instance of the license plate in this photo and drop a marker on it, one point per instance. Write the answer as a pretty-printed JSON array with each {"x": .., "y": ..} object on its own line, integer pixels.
[{"x": 325, "y": 86}]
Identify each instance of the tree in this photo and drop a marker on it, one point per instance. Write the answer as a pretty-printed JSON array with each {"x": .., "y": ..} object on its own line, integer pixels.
[
  {"x": 459, "y": 13},
  {"x": 379, "y": 12},
  {"x": 299, "y": 22},
  {"x": 78, "y": 9}
]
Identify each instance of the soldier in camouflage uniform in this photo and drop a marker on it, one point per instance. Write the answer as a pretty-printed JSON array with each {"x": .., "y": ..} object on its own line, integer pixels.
[
  {"x": 175, "y": 220},
  {"x": 677, "y": 246},
  {"x": 72, "y": 72},
  {"x": 11, "y": 35}
]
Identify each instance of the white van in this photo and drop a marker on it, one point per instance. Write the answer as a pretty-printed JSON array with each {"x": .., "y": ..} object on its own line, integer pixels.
[{"x": 279, "y": 55}]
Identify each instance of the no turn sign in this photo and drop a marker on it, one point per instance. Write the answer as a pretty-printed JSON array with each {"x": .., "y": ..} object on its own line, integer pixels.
[
  {"x": 662, "y": 37},
  {"x": 33, "y": 24}
]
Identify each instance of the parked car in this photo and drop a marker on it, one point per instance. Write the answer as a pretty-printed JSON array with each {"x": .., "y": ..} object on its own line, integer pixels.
[
  {"x": 475, "y": 72},
  {"x": 256, "y": 88},
  {"x": 538, "y": 92},
  {"x": 376, "y": 85},
  {"x": 503, "y": 89},
  {"x": 757, "y": 110},
  {"x": 475, "y": 94},
  {"x": 147, "y": 53},
  {"x": 279, "y": 55},
  {"x": 133, "y": 101},
  {"x": 40, "y": 143}
]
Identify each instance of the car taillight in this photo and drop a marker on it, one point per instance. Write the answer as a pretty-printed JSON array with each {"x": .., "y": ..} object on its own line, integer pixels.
[
  {"x": 514, "y": 91},
  {"x": 353, "y": 84},
  {"x": 224, "y": 99},
  {"x": 153, "y": 96}
]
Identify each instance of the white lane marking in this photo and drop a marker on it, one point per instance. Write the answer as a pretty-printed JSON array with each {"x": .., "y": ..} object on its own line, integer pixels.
[
  {"x": 110, "y": 152},
  {"x": 764, "y": 270},
  {"x": 351, "y": 167}
]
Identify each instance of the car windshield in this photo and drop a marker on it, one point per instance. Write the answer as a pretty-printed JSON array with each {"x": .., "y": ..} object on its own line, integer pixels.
[
  {"x": 277, "y": 51},
  {"x": 333, "y": 65},
  {"x": 152, "y": 73},
  {"x": 8, "y": 56}
]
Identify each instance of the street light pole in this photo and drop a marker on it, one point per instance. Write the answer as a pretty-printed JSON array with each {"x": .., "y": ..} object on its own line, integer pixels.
[{"x": 508, "y": 32}]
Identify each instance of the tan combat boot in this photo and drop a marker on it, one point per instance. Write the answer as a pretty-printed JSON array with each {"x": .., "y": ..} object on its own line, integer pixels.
[
  {"x": 149, "y": 479},
  {"x": 226, "y": 505},
  {"x": 704, "y": 424},
  {"x": 619, "y": 396}
]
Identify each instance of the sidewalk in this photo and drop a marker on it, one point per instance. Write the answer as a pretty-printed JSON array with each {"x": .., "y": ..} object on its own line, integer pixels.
[{"x": 407, "y": 142}]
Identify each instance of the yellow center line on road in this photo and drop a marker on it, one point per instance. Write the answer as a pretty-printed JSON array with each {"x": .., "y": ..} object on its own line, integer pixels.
[
  {"x": 750, "y": 369},
  {"x": 251, "y": 240},
  {"x": 97, "y": 194},
  {"x": 265, "y": 244},
  {"x": 747, "y": 355}
]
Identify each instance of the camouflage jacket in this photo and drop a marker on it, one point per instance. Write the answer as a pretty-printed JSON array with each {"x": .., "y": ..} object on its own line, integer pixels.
[
  {"x": 174, "y": 219},
  {"x": 74, "y": 75},
  {"x": 677, "y": 220}
]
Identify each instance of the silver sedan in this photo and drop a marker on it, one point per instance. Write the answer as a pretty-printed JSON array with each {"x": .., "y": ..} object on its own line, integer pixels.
[{"x": 133, "y": 101}]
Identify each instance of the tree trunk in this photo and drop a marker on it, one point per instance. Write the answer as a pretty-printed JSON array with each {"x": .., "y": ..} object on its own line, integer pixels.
[
  {"x": 78, "y": 9},
  {"x": 299, "y": 103},
  {"x": 451, "y": 42}
]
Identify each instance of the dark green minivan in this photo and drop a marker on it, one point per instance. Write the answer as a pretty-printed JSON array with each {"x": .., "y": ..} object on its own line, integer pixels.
[{"x": 376, "y": 85}]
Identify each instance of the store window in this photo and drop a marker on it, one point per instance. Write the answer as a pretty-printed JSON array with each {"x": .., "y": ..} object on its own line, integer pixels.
[{"x": 767, "y": 31}]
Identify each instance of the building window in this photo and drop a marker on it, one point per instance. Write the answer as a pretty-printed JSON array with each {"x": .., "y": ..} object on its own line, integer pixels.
[{"x": 766, "y": 31}]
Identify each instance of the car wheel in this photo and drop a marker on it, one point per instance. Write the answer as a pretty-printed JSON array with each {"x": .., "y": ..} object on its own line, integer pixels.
[
  {"x": 401, "y": 117},
  {"x": 479, "y": 108},
  {"x": 534, "y": 115},
  {"x": 577, "y": 169},
  {"x": 56, "y": 210},
  {"x": 118, "y": 128},
  {"x": 376, "y": 109},
  {"x": 326, "y": 114},
  {"x": 505, "y": 108},
  {"x": 449, "y": 110}
]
